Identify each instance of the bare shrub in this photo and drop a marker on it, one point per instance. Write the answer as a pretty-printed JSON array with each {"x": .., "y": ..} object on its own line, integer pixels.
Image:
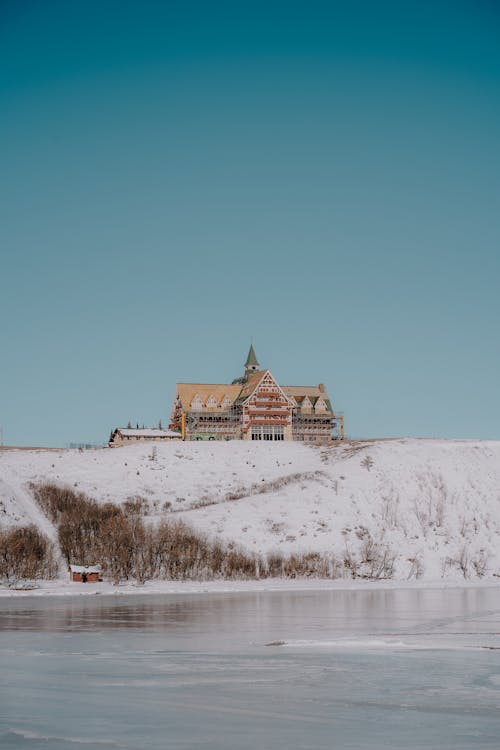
[
  {"x": 238, "y": 564},
  {"x": 461, "y": 561},
  {"x": 351, "y": 565},
  {"x": 55, "y": 500},
  {"x": 367, "y": 462},
  {"x": 116, "y": 546},
  {"x": 430, "y": 505},
  {"x": 480, "y": 563},
  {"x": 416, "y": 567},
  {"x": 275, "y": 565},
  {"x": 390, "y": 510},
  {"x": 118, "y": 538},
  {"x": 302, "y": 564},
  {"x": 26, "y": 553},
  {"x": 377, "y": 560},
  {"x": 89, "y": 532},
  {"x": 136, "y": 506}
]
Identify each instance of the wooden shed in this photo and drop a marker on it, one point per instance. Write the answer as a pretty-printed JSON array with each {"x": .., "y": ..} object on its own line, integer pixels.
[{"x": 85, "y": 573}]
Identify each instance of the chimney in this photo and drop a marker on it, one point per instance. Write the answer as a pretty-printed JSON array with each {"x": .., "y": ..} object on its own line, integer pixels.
[{"x": 321, "y": 387}]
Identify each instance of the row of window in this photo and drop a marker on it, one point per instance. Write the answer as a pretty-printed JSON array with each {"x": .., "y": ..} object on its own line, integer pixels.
[{"x": 268, "y": 432}]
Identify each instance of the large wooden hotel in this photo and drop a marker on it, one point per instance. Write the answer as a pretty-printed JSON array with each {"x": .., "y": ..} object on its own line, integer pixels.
[{"x": 255, "y": 407}]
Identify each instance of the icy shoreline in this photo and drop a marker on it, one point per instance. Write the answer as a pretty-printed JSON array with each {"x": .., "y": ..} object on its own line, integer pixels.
[{"x": 67, "y": 588}]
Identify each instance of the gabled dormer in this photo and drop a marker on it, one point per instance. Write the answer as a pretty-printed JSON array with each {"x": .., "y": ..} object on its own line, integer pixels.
[
  {"x": 306, "y": 405},
  {"x": 320, "y": 406},
  {"x": 211, "y": 402},
  {"x": 196, "y": 404}
]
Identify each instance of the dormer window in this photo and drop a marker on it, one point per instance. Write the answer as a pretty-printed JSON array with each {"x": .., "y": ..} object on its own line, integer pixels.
[
  {"x": 226, "y": 402},
  {"x": 212, "y": 402},
  {"x": 320, "y": 405},
  {"x": 306, "y": 404},
  {"x": 196, "y": 404}
]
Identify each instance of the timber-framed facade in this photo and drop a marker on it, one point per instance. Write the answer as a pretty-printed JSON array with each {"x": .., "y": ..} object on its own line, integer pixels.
[{"x": 255, "y": 407}]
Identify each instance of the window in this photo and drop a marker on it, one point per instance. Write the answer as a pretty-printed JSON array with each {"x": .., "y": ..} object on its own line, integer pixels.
[
  {"x": 268, "y": 432},
  {"x": 196, "y": 404}
]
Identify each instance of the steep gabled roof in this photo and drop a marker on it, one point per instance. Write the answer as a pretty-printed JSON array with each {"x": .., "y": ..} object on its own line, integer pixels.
[
  {"x": 251, "y": 384},
  {"x": 313, "y": 392},
  {"x": 187, "y": 392}
]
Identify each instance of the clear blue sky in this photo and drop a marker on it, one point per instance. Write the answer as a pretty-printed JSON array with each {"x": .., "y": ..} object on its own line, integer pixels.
[{"x": 176, "y": 178}]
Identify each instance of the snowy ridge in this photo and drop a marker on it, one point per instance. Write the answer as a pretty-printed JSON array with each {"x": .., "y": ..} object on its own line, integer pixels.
[{"x": 431, "y": 506}]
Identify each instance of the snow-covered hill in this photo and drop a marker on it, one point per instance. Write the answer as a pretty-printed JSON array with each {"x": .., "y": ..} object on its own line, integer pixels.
[{"x": 433, "y": 505}]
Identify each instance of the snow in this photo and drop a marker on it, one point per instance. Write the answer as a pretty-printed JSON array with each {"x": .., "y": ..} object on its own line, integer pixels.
[
  {"x": 147, "y": 432},
  {"x": 434, "y": 504},
  {"x": 64, "y": 587},
  {"x": 85, "y": 568}
]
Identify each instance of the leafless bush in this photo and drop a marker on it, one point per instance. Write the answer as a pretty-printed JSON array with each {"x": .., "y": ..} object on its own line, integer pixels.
[
  {"x": 377, "y": 560},
  {"x": 480, "y": 563},
  {"x": 136, "y": 506},
  {"x": 118, "y": 538},
  {"x": 373, "y": 559},
  {"x": 390, "y": 510},
  {"x": 350, "y": 563},
  {"x": 26, "y": 553},
  {"x": 308, "y": 564},
  {"x": 416, "y": 567},
  {"x": 430, "y": 505},
  {"x": 367, "y": 462},
  {"x": 55, "y": 500},
  {"x": 462, "y": 562}
]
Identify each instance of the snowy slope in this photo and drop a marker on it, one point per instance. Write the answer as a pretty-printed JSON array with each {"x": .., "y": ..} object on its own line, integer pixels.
[{"x": 433, "y": 504}]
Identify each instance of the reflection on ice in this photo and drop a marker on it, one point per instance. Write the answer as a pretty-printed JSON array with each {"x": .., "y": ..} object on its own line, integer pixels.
[{"x": 54, "y": 740}]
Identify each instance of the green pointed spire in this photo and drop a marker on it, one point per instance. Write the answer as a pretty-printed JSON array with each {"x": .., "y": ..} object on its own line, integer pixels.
[
  {"x": 252, "y": 361},
  {"x": 252, "y": 364}
]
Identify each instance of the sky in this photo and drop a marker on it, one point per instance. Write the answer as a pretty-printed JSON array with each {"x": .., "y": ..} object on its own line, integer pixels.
[{"x": 178, "y": 179}]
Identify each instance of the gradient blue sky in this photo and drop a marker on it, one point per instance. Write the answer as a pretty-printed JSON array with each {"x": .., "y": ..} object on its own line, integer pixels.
[{"x": 176, "y": 178}]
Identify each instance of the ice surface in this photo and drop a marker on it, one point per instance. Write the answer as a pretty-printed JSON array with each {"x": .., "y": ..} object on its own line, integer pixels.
[{"x": 362, "y": 669}]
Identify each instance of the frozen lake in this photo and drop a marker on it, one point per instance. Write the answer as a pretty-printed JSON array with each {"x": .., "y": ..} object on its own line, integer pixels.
[{"x": 367, "y": 669}]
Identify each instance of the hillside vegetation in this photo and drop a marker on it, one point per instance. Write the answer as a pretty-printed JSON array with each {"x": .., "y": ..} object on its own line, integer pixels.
[{"x": 397, "y": 508}]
